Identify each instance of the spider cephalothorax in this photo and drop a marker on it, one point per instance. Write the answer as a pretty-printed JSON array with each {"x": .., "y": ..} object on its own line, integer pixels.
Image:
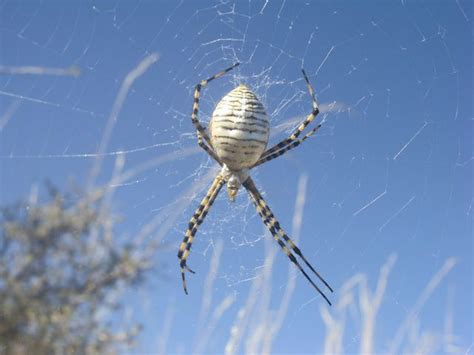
[
  {"x": 237, "y": 139},
  {"x": 234, "y": 180}
]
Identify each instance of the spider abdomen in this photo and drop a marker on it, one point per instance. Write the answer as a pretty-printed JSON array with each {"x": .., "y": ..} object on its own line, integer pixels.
[{"x": 239, "y": 129}]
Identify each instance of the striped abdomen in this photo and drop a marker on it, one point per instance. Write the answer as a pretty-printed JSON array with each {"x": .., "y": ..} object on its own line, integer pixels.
[{"x": 239, "y": 129}]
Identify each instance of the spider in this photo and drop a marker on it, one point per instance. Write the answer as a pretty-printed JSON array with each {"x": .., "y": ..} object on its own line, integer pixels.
[{"x": 238, "y": 135}]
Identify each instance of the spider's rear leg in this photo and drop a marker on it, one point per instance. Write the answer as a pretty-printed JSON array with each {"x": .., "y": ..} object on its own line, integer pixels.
[
  {"x": 301, "y": 127},
  {"x": 208, "y": 149},
  {"x": 288, "y": 147},
  {"x": 193, "y": 225},
  {"x": 197, "y": 93}
]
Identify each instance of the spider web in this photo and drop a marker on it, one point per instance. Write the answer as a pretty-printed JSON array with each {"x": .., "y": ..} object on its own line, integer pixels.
[{"x": 101, "y": 92}]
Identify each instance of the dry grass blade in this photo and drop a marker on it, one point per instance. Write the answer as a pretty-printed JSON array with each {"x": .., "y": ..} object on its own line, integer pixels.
[{"x": 127, "y": 83}]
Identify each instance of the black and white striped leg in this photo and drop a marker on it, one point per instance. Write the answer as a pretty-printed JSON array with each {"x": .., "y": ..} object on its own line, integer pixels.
[
  {"x": 209, "y": 150},
  {"x": 288, "y": 147},
  {"x": 194, "y": 223},
  {"x": 197, "y": 93},
  {"x": 274, "y": 227},
  {"x": 301, "y": 127}
]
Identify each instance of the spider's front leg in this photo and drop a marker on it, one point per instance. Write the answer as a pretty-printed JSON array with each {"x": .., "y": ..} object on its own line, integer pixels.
[
  {"x": 194, "y": 223},
  {"x": 274, "y": 227},
  {"x": 201, "y": 131},
  {"x": 292, "y": 141}
]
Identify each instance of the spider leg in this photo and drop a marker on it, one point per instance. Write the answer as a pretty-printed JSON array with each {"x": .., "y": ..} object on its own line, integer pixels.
[
  {"x": 194, "y": 115},
  {"x": 285, "y": 149},
  {"x": 209, "y": 150},
  {"x": 194, "y": 223},
  {"x": 274, "y": 227},
  {"x": 301, "y": 127}
]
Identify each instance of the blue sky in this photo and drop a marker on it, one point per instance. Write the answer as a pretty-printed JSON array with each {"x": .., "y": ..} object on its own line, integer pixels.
[{"x": 390, "y": 171}]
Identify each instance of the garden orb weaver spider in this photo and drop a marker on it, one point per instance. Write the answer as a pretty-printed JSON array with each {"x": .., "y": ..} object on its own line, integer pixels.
[{"x": 238, "y": 135}]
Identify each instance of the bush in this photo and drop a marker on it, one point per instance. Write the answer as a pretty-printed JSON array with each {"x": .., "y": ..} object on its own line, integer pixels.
[{"x": 60, "y": 272}]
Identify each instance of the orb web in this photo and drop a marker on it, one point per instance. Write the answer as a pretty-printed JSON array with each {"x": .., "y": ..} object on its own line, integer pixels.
[{"x": 388, "y": 172}]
